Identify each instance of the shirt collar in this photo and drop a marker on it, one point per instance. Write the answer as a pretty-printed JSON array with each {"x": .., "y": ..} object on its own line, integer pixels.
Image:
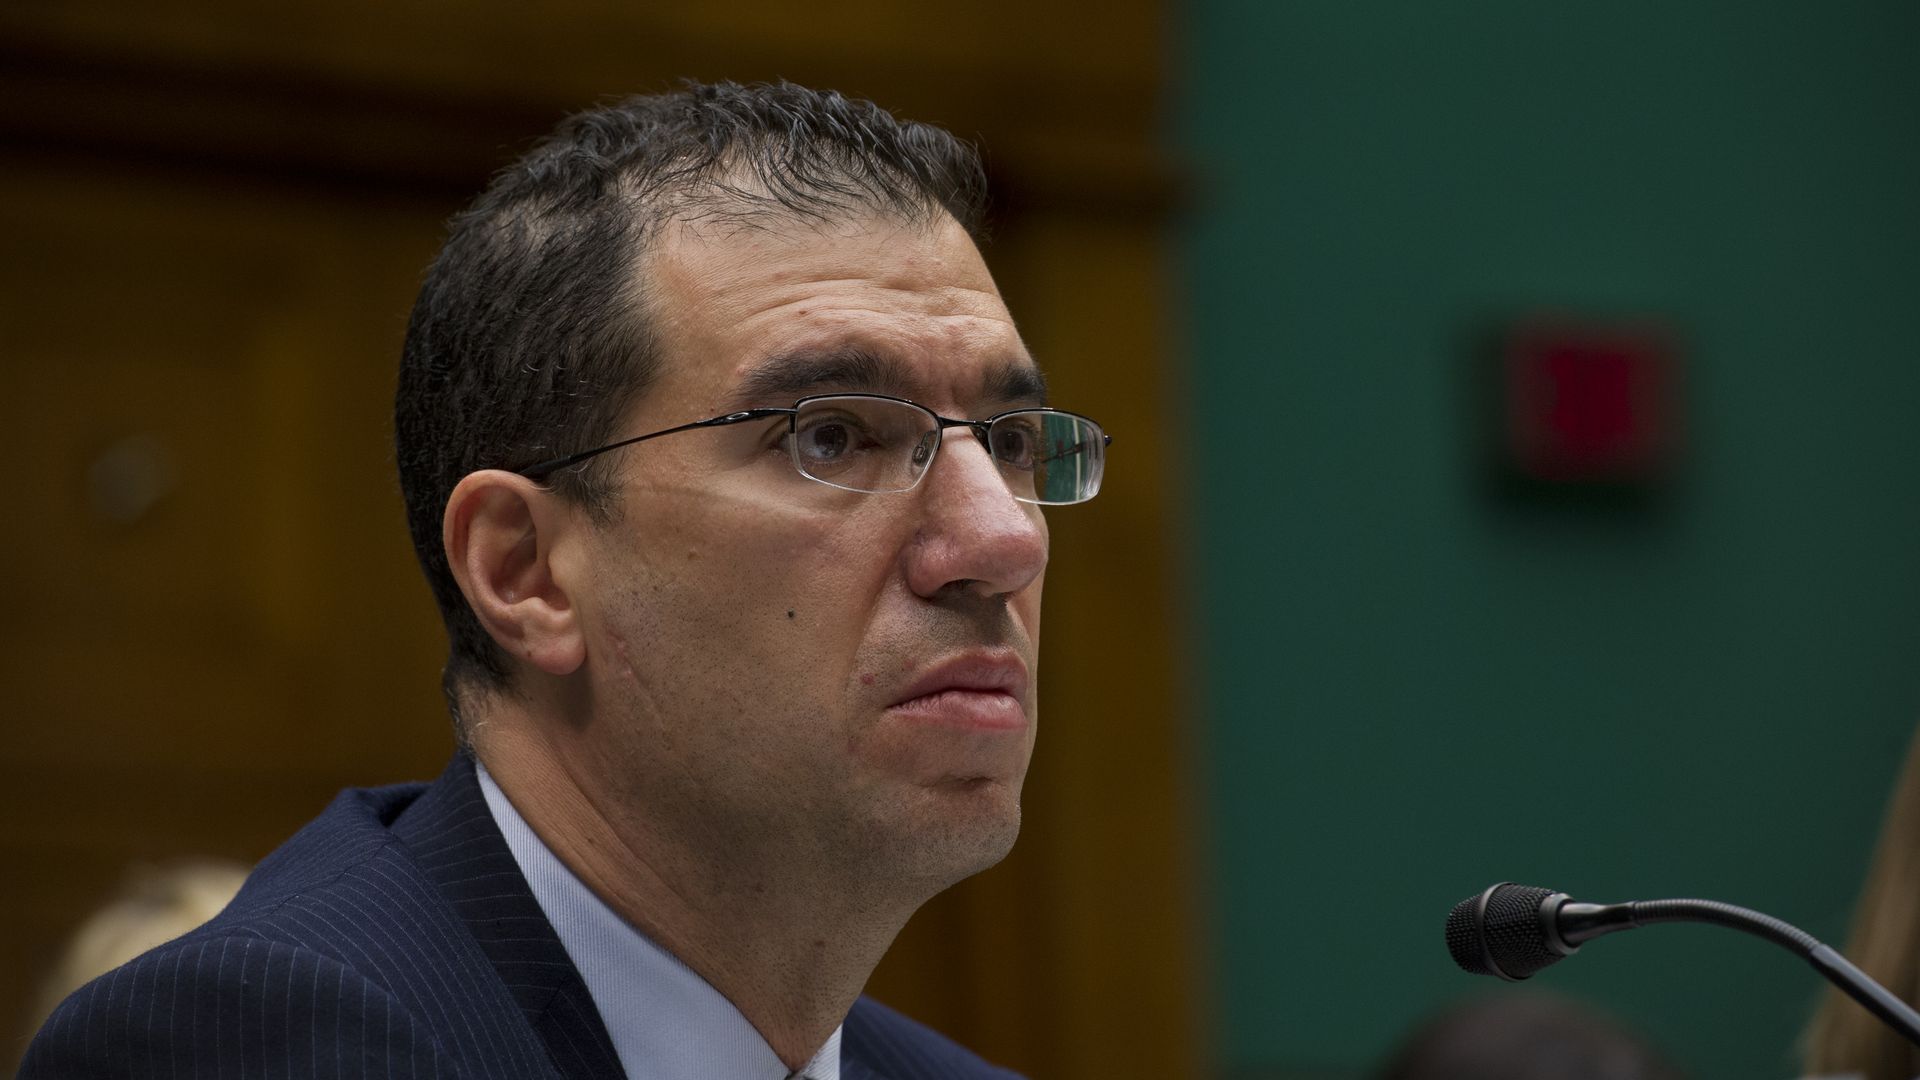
[{"x": 665, "y": 1021}]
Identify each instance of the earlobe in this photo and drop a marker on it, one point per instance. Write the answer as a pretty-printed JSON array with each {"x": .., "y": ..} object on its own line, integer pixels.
[{"x": 500, "y": 531}]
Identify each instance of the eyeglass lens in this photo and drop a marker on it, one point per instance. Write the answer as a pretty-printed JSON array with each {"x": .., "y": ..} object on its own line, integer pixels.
[{"x": 878, "y": 444}]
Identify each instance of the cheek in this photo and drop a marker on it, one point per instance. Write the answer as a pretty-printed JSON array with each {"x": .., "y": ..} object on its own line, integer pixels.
[
  {"x": 753, "y": 590},
  {"x": 817, "y": 568}
]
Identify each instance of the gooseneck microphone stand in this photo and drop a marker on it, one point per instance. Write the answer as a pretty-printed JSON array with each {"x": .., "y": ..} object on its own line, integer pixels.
[{"x": 1512, "y": 931}]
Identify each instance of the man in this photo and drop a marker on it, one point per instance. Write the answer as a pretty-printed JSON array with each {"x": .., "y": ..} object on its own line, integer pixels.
[{"x": 725, "y": 463}]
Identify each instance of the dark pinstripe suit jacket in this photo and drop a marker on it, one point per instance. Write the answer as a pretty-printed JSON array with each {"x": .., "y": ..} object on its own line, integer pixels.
[{"x": 392, "y": 937}]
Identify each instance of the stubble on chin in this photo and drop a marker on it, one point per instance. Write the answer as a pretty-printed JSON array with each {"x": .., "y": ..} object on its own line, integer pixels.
[{"x": 951, "y": 832}]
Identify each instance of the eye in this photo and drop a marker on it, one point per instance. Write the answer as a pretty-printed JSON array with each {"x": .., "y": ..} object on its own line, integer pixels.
[
  {"x": 825, "y": 440},
  {"x": 1015, "y": 440}
]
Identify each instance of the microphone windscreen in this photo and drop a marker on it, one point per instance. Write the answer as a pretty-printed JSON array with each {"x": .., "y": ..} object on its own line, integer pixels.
[{"x": 1498, "y": 932}]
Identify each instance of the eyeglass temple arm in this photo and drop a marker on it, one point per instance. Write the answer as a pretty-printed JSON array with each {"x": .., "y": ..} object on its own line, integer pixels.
[{"x": 545, "y": 469}]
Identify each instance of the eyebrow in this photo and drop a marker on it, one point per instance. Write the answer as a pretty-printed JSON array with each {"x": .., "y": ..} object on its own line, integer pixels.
[{"x": 790, "y": 376}]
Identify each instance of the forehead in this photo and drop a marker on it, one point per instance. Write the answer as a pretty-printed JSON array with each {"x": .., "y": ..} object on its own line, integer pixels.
[{"x": 876, "y": 304}]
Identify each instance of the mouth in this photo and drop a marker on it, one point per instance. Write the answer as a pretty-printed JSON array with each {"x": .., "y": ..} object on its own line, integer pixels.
[{"x": 981, "y": 690}]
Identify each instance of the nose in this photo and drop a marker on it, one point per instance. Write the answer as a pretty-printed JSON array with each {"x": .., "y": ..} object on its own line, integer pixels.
[{"x": 973, "y": 534}]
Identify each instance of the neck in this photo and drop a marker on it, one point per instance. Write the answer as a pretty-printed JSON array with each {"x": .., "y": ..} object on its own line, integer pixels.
[{"x": 788, "y": 937}]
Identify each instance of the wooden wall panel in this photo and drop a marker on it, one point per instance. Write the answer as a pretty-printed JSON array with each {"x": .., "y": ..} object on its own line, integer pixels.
[{"x": 215, "y": 222}]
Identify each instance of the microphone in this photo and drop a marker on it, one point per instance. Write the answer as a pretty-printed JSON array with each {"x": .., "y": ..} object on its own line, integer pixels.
[{"x": 1512, "y": 931}]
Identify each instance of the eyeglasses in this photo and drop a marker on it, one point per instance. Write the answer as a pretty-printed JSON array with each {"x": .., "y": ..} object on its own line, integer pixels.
[{"x": 878, "y": 444}]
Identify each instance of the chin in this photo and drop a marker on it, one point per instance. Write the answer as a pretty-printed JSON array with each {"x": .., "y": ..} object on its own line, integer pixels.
[{"x": 963, "y": 827}]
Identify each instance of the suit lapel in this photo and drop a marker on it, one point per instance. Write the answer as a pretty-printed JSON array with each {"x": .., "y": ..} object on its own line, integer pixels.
[{"x": 451, "y": 833}]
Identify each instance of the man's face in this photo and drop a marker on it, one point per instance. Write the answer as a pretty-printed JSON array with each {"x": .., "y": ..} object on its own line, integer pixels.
[{"x": 784, "y": 669}]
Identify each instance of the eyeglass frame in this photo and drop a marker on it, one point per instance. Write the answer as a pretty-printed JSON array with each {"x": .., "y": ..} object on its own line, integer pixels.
[{"x": 544, "y": 469}]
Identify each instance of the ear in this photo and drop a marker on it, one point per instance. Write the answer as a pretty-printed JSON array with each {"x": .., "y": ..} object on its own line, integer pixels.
[{"x": 500, "y": 532}]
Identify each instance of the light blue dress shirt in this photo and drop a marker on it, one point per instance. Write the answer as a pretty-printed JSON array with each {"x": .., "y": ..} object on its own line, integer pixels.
[{"x": 665, "y": 1021}]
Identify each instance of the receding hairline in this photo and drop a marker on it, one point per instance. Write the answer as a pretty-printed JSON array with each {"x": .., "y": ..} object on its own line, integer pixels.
[
  {"x": 654, "y": 262},
  {"x": 730, "y": 202}
]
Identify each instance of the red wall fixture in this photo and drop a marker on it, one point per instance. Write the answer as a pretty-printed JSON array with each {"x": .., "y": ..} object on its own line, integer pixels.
[{"x": 1589, "y": 403}]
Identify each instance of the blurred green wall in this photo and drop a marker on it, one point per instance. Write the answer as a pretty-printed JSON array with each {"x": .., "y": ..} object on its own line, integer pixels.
[{"x": 1416, "y": 688}]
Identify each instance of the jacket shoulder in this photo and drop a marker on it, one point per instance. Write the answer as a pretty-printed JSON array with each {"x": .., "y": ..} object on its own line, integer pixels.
[
  {"x": 218, "y": 1001},
  {"x": 339, "y": 947}
]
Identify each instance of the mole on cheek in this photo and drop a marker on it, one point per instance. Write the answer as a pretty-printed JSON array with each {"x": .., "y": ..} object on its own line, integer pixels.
[{"x": 789, "y": 613}]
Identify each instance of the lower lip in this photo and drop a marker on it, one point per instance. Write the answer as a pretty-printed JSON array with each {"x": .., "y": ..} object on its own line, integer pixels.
[{"x": 987, "y": 710}]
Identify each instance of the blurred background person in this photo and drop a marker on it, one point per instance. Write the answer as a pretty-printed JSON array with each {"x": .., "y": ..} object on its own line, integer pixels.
[
  {"x": 158, "y": 904},
  {"x": 1845, "y": 1040},
  {"x": 1526, "y": 1035}
]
